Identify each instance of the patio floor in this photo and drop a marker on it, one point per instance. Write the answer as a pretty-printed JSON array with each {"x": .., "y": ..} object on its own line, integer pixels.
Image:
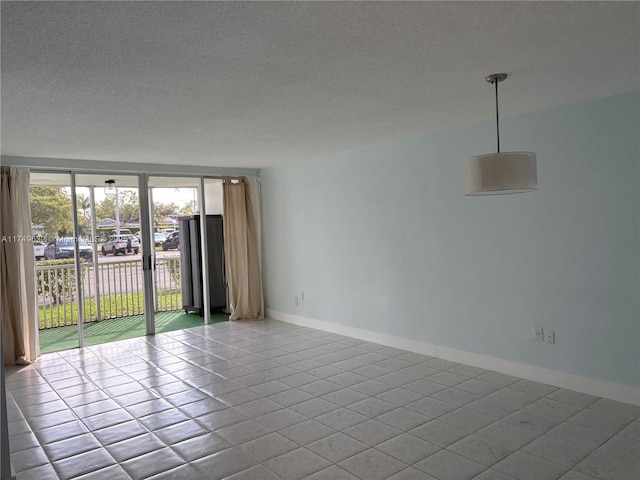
[{"x": 62, "y": 338}]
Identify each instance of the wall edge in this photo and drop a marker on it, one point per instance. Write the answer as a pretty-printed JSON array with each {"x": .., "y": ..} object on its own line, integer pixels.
[{"x": 578, "y": 383}]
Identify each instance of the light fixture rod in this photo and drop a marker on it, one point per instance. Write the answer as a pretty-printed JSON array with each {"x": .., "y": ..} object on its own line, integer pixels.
[
  {"x": 500, "y": 173},
  {"x": 497, "y": 119},
  {"x": 495, "y": 79}
]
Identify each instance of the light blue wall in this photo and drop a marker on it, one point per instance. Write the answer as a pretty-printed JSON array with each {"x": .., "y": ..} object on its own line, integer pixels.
[{"x": 383, "y": 239}]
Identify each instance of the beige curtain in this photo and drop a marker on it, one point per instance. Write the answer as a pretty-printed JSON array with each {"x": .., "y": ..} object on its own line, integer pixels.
[
  {"x": 17, "y": 266},
  {"x": 242, "y": 251}
]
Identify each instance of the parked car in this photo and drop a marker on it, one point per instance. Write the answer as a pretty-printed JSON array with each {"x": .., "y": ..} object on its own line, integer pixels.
[
  {"x": 38, "y": 249},
  {"x": 123, "y": 231},
  {"x": 167, "y": 231},
  {"x": 158, "y": 238},
  {"x": 65, "y": 248},
  {"x": 172, "y": 241},
  {"x": 118, "y": 244}
]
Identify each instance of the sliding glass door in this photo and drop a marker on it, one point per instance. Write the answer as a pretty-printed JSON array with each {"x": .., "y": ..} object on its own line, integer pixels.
[
  {"x": 174, "y": 201},
  {"x": 55, "y": 272},
  {"x": 125, "y": 255},
  {"x": 113, "y": 287},
  {"x": 89, "y": 275}
]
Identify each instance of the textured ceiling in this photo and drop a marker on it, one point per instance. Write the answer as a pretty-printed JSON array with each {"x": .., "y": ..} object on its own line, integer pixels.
[{"x": 255, "y": 84}]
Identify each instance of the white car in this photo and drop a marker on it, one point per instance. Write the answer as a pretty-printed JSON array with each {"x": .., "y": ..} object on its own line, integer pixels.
[
  {"x": 38, "y": 249},
  {"x": 167, "y": 231},
  {"x": 118, "y": 244},
  {"x": 158, "y": 238}
]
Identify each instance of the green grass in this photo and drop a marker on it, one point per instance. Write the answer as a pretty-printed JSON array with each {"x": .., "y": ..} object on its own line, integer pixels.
[
  {"x": 124, "y": 314},
  {"x": 111, "y": 306},
  {"x": 62, "y": 338}
]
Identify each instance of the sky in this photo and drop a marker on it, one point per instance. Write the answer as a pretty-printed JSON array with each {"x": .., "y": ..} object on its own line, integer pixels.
[{"x": 179, "y": 196}]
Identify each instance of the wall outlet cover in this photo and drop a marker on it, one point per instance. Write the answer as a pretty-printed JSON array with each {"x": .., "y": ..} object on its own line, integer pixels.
[
  {"x": 537, "y": 334},
  {"x": 550, "y": 336}
]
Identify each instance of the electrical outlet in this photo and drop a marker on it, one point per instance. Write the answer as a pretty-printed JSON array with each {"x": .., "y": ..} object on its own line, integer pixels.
[
  {"x": 301, "y": 295},
  {"x": 550, "y": 336},
  {"x": 295, "y": 300},
  {"x": 537, "y": 334}
]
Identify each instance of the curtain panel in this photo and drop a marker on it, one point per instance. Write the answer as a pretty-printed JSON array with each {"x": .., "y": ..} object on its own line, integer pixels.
[
  {"x": 17, "y": 267},
  {"x": 242, "y": 249}
]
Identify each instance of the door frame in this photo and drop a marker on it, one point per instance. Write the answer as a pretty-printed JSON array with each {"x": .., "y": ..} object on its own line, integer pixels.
[{"x": 146, "y": 227}]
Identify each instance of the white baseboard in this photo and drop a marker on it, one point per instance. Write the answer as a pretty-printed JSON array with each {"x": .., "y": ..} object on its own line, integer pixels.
[{"x": 590, "y": 386}]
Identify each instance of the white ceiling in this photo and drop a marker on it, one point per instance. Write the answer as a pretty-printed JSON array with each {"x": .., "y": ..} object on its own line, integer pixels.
[{"x": 255, "y": 84}]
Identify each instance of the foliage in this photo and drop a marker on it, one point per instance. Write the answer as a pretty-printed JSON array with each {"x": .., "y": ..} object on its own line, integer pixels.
[
  {"x": 190, "y": 208},
  {"x": 57, "y": 315},
  {"x": 84, "y": 204},
  {"x": 163, "y": 210},
  {"x": 58, "y": 284},
  {"x": 174, "y": 270},
  {"x": 51, "y": 207},
  {"x": 129, "y": 207},
  {"x": 111, "y": 306}
]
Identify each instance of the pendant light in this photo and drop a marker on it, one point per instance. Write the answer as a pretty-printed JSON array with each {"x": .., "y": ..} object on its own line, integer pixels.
[
  {"x": 501, "y": 173},
  {"x": 110, "y": 186}
]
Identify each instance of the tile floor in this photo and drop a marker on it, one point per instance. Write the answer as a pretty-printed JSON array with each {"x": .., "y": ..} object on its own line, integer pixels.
[{"x": 269, "y": 400}]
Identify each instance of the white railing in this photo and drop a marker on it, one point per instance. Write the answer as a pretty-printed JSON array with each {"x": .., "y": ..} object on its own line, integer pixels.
[{"x": 109, "y": 290}]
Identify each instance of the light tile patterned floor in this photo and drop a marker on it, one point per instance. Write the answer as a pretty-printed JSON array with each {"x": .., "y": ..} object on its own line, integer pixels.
[{"x": 269, "y": 400}]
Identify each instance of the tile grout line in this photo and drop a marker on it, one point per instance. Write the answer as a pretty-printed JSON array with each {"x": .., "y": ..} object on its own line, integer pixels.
[{"x": 186, "y": 358}]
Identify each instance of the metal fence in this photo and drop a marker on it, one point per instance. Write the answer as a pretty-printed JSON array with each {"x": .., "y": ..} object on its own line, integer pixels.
[{"x": 109, "y": 290}]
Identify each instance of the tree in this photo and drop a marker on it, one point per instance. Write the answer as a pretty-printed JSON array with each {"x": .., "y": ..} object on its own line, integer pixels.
[
  {"x": 51, "y": 208},
  {"x": 84, "y": 204},
  {"x": 163, "y": 210},
  {"x": 129, "y": 206},
  {"x": 128, "y": 203},
  {"x": 106, "y": 208},
  {"x": 190, "y": 208}
]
